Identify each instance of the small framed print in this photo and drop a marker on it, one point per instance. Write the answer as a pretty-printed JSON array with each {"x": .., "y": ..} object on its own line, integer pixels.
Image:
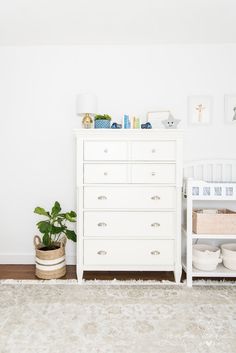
[
  {"x": 199, "y": 110},
  {"x": 156, "y": 116},
  {"x": 230, "y": 109}
]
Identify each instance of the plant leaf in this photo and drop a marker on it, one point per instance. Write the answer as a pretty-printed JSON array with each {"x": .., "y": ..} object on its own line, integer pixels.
[
  {"x": 56, "y": 208},
  {"x": 46, "y": 239},
  {"x": 44, "y": 227},
  {"x": 72, "y": 214},
  {"x": 69, "y": 218},
  {"x": 56, "y": 230},
  {"x": 70, "y": 235},
  {"x": 41, "y": 211}
]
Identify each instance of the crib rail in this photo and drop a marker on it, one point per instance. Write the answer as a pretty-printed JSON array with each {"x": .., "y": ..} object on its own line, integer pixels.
[{"x": 211, "y": 170}]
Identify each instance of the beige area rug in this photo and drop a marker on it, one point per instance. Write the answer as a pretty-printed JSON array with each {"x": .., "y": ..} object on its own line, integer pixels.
[{"x": 49, "y": 318}]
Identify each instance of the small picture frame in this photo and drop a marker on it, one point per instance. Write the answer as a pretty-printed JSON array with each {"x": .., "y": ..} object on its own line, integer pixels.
[
  {"x": 199, "y": 110},
  {"x": 230, "y": 109},
  {"x": 156, "y": 116}
]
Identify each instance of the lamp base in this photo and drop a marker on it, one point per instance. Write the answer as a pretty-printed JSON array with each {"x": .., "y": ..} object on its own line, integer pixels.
[{"x": 87, "y": 121}]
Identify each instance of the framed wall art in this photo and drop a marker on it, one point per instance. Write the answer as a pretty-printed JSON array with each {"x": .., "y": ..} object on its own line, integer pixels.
[
  {"x": 230, "y": 109},
  {"x": 199, "y": 110}
]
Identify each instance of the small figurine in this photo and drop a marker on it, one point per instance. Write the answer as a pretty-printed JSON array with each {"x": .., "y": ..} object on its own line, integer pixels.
[
  {"x": 171, "y": 122},
  {"x": 146, "y": 126},
  {"x": 116, "y": 126}
]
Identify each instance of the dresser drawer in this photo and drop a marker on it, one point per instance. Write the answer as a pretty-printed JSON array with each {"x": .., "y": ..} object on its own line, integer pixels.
[
  {"x": 105, "y": 173},
  {"x": 153, "y": 150},
  {"x": 105, "y": 150},
  {"x": 153, "y": 173},
  {"x": 128, "y": 252},
  {"x": 129, "y": 224},
  {"x": 130, "y": 197}
]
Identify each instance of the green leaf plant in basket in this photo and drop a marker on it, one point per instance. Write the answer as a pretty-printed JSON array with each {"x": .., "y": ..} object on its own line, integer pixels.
[
  {"x": 102, "y": 121},
  {"x": 50, "y": 246}
]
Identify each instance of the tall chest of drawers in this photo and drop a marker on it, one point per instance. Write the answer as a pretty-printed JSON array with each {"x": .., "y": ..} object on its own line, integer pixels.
[{"x": 129, "y": 200}]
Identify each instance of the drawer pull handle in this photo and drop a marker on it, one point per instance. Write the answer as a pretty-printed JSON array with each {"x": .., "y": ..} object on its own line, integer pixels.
[
  {"x": 102, "y": 197},
  {"x": 101, "y": 252},
  {"x": 153, "y": 150},
  {"x": 153, "y": 173},
  {"x": 156, "y": 197},
  {"x": 102, "y": 224},
  {"x": 155, "y": 224},
  {"x": 105, "y": 173},
  {"x": 155, "y": 252},
  {"x": 106, "y": 150}
]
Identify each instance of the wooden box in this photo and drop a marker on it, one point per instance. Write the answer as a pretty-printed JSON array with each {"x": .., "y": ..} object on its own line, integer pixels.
[{"x": 221, "y": 222}]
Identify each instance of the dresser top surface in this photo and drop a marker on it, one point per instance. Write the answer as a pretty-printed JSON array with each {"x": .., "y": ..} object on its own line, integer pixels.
[{"x": 144, "y": 133}]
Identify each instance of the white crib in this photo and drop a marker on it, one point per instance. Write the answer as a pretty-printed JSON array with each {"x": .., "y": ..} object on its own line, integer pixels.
[{"x": 208, "y": 180}]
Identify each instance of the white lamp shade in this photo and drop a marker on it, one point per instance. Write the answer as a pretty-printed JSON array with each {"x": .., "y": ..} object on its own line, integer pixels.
[{"x": 86, "y": 103}]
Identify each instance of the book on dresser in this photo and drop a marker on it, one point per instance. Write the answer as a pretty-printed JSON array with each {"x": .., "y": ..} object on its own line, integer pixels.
[{"x": 129, "y": 200}]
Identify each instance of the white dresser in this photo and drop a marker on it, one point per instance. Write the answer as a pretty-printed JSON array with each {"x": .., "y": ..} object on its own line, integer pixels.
[{"x": 129, "y": 200}]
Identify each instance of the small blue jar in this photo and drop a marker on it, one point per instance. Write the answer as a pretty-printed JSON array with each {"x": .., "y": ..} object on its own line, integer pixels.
[{"x": 102, "y": 124}]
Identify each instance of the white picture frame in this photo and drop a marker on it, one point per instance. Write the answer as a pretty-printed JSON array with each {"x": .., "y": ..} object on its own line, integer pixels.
[
  {"x": 200, "y": 110},
  {"x": 155, "y": 117},
  {"x": 230, "y": 109}
]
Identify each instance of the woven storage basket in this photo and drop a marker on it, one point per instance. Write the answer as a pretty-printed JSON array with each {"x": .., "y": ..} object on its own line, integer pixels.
[
  {"x": 50, "y": 264},
  {"x": 223, "y": 222}
]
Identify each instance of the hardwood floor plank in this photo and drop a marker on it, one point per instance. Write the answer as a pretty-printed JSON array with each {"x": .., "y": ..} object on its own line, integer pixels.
[{"x": 22, "y": 272}]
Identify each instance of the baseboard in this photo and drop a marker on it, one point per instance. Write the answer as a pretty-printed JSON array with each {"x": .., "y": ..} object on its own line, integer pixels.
[{"x": 27, "y": 259}]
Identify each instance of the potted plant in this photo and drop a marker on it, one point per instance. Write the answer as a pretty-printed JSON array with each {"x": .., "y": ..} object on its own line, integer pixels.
[
  {"x": 102, "y": 121},
  {"x": 50, "y": 247}
]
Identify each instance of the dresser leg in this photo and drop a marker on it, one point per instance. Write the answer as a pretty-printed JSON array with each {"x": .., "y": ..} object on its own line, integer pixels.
[
  {"x": 178, "y": 274},
  {"x": 189, "y": 280},
  {"x": 80, "y": 276}
]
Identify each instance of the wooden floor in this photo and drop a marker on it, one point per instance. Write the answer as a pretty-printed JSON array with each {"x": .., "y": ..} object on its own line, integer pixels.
[{"x": 21, "y": 272}]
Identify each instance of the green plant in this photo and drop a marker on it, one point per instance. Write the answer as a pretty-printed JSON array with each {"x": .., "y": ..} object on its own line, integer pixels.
[
  {"x": 102, "y": 117},
  {"x": 54, "y": 228}
]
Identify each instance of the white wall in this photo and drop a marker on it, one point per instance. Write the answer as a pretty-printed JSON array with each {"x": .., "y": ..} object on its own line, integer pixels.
[{"x": 38, "y": 86}]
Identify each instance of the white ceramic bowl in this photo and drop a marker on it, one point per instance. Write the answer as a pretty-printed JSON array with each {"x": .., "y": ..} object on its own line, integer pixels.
[
  {"x": 206, "y": 257},
  {"x": 229, "y": 255}
]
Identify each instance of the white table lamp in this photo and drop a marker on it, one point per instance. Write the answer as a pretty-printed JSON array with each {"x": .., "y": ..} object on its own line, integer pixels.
[{"x": 86, "y": 106}]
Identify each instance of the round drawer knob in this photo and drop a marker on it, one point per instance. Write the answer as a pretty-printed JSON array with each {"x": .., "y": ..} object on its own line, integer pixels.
[
  {"x": 106, "y": 150},
  {"x": 153, "y": 150},
  {"x": 155, "y": 224},
  {"x": 102, "y": 197},
  {"x": 156, "y": 197},
  {"x": 155, "y": 252},
  {"x": 102, "y": 224},
  {"x": 102, "y": 252},
  {"x": 153, "y": 173},
  {"x": 105, "y": 173}
]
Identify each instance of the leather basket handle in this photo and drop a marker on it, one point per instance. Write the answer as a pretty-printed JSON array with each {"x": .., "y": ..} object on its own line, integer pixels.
[{"x": 37, "y": 241}]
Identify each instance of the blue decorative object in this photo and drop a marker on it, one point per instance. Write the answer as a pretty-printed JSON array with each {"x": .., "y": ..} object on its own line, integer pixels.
[
  {"x": 116, "y": 126},
  {"x": 146, "y": 126},
  {"x": 127, "y": 124},
  {"x": 102, "y": 124}
]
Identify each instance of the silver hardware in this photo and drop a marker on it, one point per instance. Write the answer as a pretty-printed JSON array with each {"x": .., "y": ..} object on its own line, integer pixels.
[
  {"x": 153, "y": 173},
  {"x": 153, "y": 150},
  {"x": 155, "y": 224},
  {"x": 101, "y": 252},
  {"x": 102, "y": 197},
  {"x": 102, "y": 224},
  {"x": 156, "y": 197},
  {"x": 106, "y": 150},
  {"x": 155, "y": 252},
  {"x": 105, "y": 173}
]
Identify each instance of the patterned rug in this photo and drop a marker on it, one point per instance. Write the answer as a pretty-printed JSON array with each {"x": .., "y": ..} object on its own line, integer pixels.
[{"x": 49, "y": 318}]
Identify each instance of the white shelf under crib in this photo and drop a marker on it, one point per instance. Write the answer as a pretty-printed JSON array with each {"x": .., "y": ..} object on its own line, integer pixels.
[{"x": 213, "y": 180}]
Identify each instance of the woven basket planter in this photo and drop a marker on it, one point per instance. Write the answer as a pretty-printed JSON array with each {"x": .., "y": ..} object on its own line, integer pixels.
[{"x": 50, "y": 264}]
